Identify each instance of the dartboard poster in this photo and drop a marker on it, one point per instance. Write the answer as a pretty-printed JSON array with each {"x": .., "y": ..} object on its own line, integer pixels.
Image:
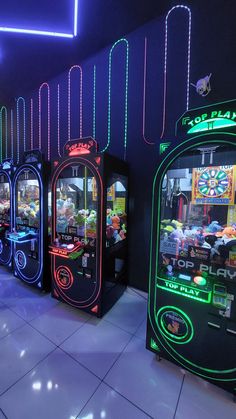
[{"x": 213, "y": 185}]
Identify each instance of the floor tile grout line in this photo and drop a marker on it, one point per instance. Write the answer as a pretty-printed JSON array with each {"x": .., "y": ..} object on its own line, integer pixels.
[
  {"x": 1, "y": 411},
  {"x": 126, "y": 398},
  {"x": 12, "y": 331},
  {"x": 77, "y": 417},
  {"x": 177, "y": 404},
  {"x": 36, "y": 365}
]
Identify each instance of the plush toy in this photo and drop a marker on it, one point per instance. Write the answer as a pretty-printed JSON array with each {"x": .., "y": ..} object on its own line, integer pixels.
[
  {"x": 61, "y": 224},
  {"x": 109, "y": 232},
  {"x": 214, "y": 227},
  {"x": 227, "y": 233},
  {"x": 115, "y": 222}
]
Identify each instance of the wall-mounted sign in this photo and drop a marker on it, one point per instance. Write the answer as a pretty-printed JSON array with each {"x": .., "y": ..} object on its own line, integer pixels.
[
  {"x": 210, "y": 118},
  {"x": 80, "y": 146}
]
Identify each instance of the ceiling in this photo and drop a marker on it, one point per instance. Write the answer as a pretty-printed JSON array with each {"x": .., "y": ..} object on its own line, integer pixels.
[{"x": 28, "y": 60}]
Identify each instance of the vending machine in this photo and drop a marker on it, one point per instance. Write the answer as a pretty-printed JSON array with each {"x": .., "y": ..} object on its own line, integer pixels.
[
  {"x": 192, "y": 279},
  {"x": 29, "y": 235},
  {"x": 6, "y": 171},
  {"x": 89, "y": 227}
]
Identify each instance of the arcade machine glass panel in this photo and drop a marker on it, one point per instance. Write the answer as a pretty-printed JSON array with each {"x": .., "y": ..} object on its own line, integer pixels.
[{"x": 5, "y": 218}]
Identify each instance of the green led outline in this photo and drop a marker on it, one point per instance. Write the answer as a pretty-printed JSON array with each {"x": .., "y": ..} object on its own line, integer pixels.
[
  {"x": 126, "y": 95},
  {"x": 163, "y": 147},
  {"x": 3, "y": 108},
  {"x": 185, "y": 295},
  {"x": 202, "y": 107},
  {"x": 151, "y": 246},
  {"x": 186, "y": 318},
  {"x": 218, "y": 125}
]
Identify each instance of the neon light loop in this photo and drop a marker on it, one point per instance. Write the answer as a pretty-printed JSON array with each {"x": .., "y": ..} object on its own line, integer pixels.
[
  {"x": 126, "y": 95},
  {"x": 20, "y": 99},
  {"x": 46, "y": 33},
  {"x": 80, "y": 101},
  {"x": 11, "y": 218},
  {"x": 12, "y": 136},
  {"x": 152, "y": 303},
  {"x": 3, "y": 108},
  {"x": 40, "y": 117},
  {"x": 165, "y": 61},
  {"x": 144, "y": 92}
]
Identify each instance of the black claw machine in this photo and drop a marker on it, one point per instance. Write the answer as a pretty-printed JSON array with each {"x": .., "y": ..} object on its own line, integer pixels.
[
  {"x": 89, "y": 227},
  {"x": 29, "y": 235},
  {"x": 192, "y": 282},
  {"x": 6, "y": 171}
]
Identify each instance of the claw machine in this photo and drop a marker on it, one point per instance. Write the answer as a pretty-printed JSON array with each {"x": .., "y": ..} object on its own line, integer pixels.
[
  {"x": 6, "y": 171},
  {"x": 29, "y": 235},
  {"x": 89, "y": 227},
  {"x": 192, "y": 278}
]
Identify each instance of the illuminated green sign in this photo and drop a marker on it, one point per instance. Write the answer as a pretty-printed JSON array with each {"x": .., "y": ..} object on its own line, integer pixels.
[
  {"x": 185, "y": 290},
  {"x": 209, "y": 121}
]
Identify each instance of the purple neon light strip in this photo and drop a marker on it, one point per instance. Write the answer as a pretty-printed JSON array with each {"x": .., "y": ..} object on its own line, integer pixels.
[
  {"x": 40, "y": 116},
  {"x": 46, "y": 33},
  {"x": 144, "y": 93},
  {"x": 58, "y": 120},
  {"x": 80, "y": 101},
  {"x": 180, "y": 6}
]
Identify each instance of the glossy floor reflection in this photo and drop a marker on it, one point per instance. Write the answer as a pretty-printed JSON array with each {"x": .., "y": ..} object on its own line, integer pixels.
[{"x": 58, "y": 362}]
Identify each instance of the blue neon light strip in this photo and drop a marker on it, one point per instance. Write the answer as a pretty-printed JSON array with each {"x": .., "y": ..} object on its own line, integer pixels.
[{"x": 47, "y": 33}]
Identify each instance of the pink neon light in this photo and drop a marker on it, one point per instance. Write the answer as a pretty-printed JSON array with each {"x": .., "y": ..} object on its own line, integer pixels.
[
  {"x": 58, "y": 120},
  {"x": 40, "y": 116},
  {"x": 165, "y": 63},
  {"x": 70, "y": 162},
  {"x": 31, "y": 124},
  {"x": 80, "y": 100},
  {"x": 144, "y": 92}
]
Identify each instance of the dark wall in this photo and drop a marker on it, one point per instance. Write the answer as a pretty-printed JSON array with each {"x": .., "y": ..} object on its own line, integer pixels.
[{"x": 212, "y": 51}]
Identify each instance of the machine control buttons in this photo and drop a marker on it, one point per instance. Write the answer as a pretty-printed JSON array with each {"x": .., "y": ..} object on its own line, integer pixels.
[{"x": 200, "y": 280}]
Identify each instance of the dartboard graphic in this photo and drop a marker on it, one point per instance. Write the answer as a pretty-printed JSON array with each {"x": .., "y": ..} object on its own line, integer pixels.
[{"x": 213, "y": 182}]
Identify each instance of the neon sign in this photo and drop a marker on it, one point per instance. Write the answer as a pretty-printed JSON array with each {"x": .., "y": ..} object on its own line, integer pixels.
[
  {"x": 210, "y": 121},
  {"x": 190, "y": 292},
  {"x": 207, "y": 119},
  {"x": 46, "y": 33},
  {"x": 81, "y": 146}
]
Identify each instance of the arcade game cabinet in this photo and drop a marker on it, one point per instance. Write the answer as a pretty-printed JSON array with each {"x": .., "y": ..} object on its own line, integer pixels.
[
  {"x": 192, "y": 289},
  {"x": 30, "y": 220},
  {"x": 6, "y": 171},
  {"x": 89, "y": 223}
]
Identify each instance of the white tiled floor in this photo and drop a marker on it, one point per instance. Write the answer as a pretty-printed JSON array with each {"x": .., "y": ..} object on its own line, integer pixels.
[{"x": 58, "y": 362}]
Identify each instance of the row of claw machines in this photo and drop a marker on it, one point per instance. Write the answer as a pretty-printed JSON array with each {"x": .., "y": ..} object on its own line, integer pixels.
[{"x": 70, "y": 215}]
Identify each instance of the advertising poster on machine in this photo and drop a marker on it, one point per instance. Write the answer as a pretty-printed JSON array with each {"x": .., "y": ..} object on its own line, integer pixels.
[{"x": 213, "y": 185}]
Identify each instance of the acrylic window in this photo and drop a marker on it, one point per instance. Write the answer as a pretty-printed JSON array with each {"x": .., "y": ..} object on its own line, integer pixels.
[
  {"x": 198, "y": 213},
  {"x": 28, "y": 200},
  {"x": 116, "y": 219},
  {"x": 76, "y": 208},
  {"x": 4, "y": 199}
]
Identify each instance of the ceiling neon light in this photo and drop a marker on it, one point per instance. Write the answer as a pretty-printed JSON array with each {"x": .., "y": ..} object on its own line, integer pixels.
[{"x": 47, "y": 33}]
